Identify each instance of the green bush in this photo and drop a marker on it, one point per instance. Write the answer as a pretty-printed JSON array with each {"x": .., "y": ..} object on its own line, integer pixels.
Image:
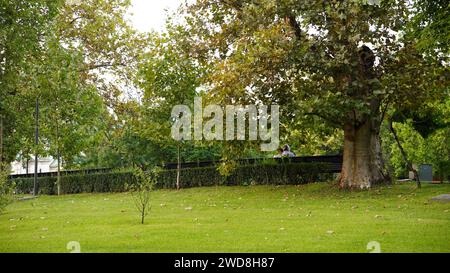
[
  {"x": 244, "y": 175},
  {"x": 443, "y": 170},
  {"x": 260, "y": 174},
  {"x": 6, "y": 189}
]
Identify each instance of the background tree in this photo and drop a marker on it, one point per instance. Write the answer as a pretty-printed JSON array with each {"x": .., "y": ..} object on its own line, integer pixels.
[
  {"x": 109, "y": 45},
  {"x": 95, "y": 46},
  {"x": 110, "y": 49},
  {"x": 70, "y": 107},
  {"x": 169, "y": 78},
  {"x": 6, "y": 189},
  {"x": 23, "y": 26},
  {"x": 431, "y": 26},
  {"x": 429, "y": 29}
]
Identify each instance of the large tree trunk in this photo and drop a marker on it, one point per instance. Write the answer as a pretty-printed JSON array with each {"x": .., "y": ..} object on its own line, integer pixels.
[{"x": 363, "y": 164}]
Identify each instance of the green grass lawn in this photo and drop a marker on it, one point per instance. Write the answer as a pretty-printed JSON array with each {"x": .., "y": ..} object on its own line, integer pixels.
[{"x": 309, "y": 218}]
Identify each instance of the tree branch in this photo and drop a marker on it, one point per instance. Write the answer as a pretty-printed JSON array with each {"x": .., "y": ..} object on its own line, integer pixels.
[
  {"x": 74, "y": 20},
  {"x": 294, "y": 24},
  {"x": 102, "y": 65},
  {"x": 384, "y": 111},
  {"x": 328, "y": 119},
  {"x": 237, "y": 5}
]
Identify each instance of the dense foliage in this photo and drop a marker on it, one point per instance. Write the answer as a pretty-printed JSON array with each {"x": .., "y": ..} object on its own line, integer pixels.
[{"x": 6, "y": 190}]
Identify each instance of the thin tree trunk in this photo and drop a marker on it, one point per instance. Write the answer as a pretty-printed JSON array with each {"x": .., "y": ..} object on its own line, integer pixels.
[
  {"x": 1, "y": 142},
  {"x": 58, "y": 155},
  {"x": 363, "y": 165},
  {"x": 36, "y": 142},
  {"x": 178, "y": 168},
  {"x": 143, "y": 215},
  {"x": 404, "y": 155},
  {"x": 58, "y": 179}
]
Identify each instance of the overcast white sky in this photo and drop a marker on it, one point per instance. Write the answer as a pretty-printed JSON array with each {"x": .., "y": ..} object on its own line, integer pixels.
[{"x": 151, "y": 14}]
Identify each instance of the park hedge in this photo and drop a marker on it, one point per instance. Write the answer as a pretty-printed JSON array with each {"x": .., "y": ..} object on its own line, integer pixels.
[
  {"x": 244, "y": 175},
  {"x": 443, "y": 170}
]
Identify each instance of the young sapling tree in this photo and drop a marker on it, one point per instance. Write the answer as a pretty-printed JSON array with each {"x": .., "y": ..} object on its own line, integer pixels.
[{"x": 141, "y": 190}]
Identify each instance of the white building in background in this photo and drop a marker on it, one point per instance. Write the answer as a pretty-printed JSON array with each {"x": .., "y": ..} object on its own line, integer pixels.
[{"x": 45, "y": 165}]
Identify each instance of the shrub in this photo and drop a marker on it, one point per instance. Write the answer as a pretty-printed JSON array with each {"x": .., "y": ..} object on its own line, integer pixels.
[
  {"x": 244, "y": 175},
  {"x": 80, "y": 183},
  {"x": 6, "y": 189},
  {"x": 443, "y": 170}
]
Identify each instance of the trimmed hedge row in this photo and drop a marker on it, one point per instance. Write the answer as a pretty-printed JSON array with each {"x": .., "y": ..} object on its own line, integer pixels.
[
  {"x": 261, "y": 174},
  {"x": 72, "y": 184},
  {"x": 444, "y": 170}
]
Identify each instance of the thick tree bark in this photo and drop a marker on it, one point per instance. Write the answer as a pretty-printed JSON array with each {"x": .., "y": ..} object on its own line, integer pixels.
[{"x": 363, "y": 165}]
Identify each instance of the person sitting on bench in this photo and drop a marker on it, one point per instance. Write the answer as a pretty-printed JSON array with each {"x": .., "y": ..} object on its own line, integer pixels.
[{"x": 287, "y": 151}]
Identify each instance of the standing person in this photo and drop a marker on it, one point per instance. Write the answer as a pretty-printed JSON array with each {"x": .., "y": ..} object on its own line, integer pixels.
[{"x": 287, "y": 151}]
